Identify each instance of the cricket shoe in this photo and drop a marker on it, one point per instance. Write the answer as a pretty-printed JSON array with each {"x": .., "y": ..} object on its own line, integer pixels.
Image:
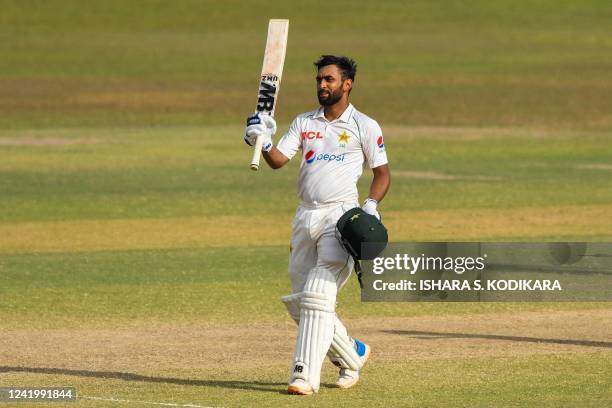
[
  {"x": 300, "y": 387},
  {"x": 348, "y": 377}
]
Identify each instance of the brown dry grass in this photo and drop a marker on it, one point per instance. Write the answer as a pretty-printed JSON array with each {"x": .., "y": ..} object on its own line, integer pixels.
[
  {"x": 595, "y": 166},
  {"x": 471, "y": 133},
  {"x": 452, "y": 224},
  {"x": 434, "y": 175},
  {"x": 81, "y": 95},
  {"x": 485, "y": 223},
  {"x": 149, "y": 347},
  {"x": 46, "y": 141}
]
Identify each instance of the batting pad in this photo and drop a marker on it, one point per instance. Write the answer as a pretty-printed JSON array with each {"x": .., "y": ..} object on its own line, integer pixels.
[
  {"x": 342, "y": 351},
  {"x": 316, "y": 327},
  {"x": 292, "y": 303}
]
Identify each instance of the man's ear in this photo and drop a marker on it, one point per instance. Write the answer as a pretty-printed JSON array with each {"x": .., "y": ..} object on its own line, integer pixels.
[{"x": 347, "y": 85}]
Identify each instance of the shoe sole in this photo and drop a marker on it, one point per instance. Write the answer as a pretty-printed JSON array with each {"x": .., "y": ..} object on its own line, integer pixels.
[
  {"x": 344, "y": 386},
  {"x": 294, "y": 390},
  {"x": 349, "y": 385}
]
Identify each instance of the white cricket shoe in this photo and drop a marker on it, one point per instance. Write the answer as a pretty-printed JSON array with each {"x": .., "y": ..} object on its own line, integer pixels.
[
  {"x": 300, "y": 387},
  {"x": 348, "y": 377}
]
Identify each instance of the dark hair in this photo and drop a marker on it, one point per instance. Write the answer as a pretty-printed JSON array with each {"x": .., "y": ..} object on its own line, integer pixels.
[{"x": 346, "y": 65}]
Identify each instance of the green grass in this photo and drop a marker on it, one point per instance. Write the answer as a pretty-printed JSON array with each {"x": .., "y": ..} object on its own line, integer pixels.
[
  {"x": 453, "y": 63},
  {"x": 545, "y": 381},
  {"x": 115, "y": 288},
  {"x": 115, "y": 110},
  {"x": 177, "y": 172}
]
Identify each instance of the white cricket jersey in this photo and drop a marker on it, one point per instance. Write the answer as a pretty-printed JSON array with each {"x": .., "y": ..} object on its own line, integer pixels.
[{"x": 333, "y": 153}]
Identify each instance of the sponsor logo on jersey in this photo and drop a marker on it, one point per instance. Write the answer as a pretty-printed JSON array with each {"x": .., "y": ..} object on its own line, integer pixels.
[
  {"x": 380, "y": 142},
  {"x": 311, "y": 135},
  {"x": 311, "y": 157}
]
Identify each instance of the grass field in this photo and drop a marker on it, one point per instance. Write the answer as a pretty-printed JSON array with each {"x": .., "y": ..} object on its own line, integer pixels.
[{"x": 141, "y": 260}]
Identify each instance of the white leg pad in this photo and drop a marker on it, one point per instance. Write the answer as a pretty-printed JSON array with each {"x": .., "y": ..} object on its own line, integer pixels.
[
  {"x": 292, "y": 303},
  {"x": 316, "y": 327},
  {"x": 342, "y": 350}
]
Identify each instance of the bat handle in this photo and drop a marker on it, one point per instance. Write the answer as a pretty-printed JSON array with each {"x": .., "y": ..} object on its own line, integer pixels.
[{"x": 256, "y": 153}]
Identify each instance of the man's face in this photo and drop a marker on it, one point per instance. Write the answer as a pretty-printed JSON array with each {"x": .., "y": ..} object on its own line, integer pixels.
[{"x": 330, "y": 86}]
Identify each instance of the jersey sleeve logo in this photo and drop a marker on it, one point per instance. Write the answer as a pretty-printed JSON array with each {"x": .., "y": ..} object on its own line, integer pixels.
[{"x": 380, "y": 142}]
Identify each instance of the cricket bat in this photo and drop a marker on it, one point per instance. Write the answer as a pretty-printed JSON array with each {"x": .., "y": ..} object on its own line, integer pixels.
[{"x": 271, "y": 73}]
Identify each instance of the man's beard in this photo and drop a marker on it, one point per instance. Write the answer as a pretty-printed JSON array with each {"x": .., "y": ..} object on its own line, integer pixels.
[{"x": 331, "y": 99}]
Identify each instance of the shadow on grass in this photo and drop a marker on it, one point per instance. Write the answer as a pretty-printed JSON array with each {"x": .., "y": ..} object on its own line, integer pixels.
[
  {"x": 117, "y": 375},
  {"x": 441, "y": 335}
]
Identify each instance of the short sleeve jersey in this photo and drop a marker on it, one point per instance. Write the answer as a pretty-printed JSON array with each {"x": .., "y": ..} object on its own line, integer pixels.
[{"x": 333, "y": 153}]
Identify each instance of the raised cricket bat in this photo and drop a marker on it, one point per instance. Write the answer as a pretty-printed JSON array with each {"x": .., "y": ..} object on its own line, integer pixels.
[{"x": 271, "y": 73}]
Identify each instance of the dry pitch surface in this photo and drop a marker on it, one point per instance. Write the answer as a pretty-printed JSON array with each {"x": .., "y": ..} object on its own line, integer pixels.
[
  {"x": 210, "y": 347},
  {"x": 207, "y": 363}
]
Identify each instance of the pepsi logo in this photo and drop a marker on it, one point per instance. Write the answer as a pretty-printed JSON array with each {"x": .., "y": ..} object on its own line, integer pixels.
[
  {"x": 380, "y": 142},
  {"x": 310, "y": 156}
]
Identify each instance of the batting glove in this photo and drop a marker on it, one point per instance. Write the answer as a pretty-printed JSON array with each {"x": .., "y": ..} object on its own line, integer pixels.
[
  {"x": 369, "y": 206},
  {"x": 260, "y": 125}
]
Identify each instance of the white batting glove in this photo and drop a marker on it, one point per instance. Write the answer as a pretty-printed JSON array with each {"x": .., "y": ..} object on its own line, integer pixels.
[
  {"x": 369, "y": 206},
  {"x": 260, "y": 125}
]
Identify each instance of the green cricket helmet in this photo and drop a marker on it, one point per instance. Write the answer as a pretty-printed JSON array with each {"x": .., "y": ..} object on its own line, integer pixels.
[{"x": 362, "y": 234}]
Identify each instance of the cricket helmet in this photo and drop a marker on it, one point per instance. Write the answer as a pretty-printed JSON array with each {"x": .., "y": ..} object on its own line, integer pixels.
[{"x": 361, "y": 234}]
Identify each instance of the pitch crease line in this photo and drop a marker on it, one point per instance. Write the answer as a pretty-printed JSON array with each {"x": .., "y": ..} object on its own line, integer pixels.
[{"x": 163, "y": 404}]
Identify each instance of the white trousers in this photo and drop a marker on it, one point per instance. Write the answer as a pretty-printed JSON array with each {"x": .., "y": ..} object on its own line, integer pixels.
[
  {"x": 319, "y": 266},
  {"x": 314, "y": 244}
]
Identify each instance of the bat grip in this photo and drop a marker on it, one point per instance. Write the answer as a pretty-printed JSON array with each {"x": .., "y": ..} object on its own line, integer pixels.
[{"x": 256, "y": 153}]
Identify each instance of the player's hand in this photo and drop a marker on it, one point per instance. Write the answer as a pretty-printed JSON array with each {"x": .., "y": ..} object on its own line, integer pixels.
[
  {"x": 263, "y": 126},
  {"x": 254, "y": 129},
  {"x": 369, "y": 206}
]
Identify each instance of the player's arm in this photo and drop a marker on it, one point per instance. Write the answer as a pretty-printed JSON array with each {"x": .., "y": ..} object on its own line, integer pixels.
[
  {"x": 275, "y": 158},
  {"x": 376, "y": 155},
  {"x": 380, "y": 183},
  {"x": 378, "y": 189}
]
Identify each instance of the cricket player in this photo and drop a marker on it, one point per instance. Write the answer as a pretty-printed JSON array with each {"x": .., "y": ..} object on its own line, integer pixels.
[{"x": 336, "y": 142}]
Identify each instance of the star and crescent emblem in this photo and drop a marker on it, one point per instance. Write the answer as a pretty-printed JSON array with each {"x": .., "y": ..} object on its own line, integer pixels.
[{"x": 343, "y": 137}]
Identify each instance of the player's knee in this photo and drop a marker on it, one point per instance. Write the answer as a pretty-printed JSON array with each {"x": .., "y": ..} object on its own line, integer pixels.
[
  {"x": 292, "y": 303},
  {"x": 317, "y": 301},
  {"x": 320, "y": 291}
]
